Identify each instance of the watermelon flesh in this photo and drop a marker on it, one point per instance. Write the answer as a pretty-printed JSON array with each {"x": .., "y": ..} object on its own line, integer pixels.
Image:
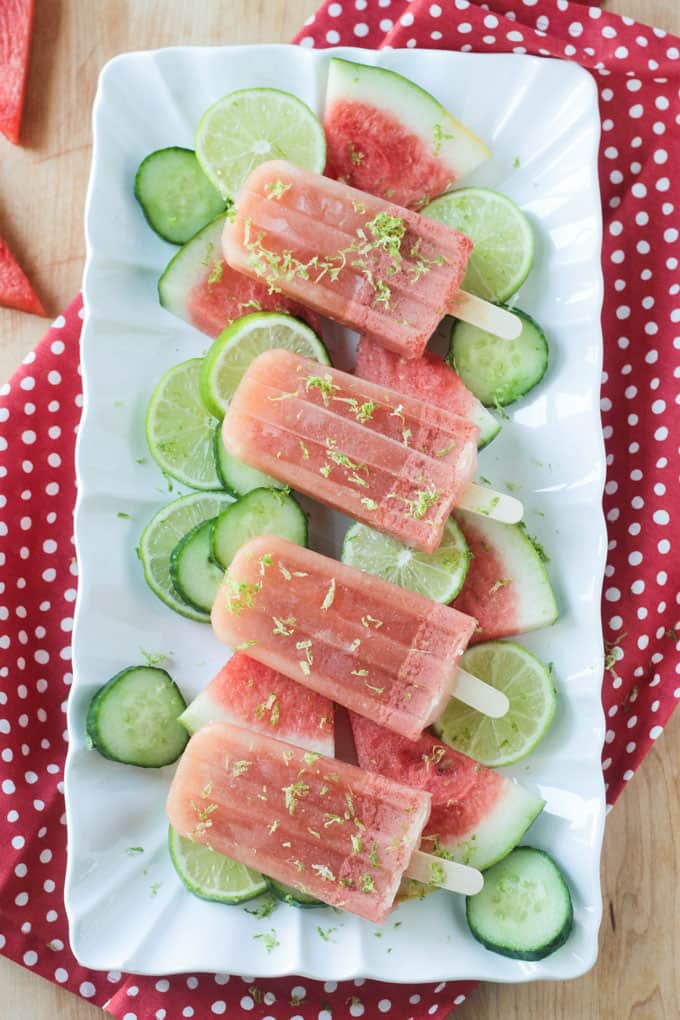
[
  {"x": 198, "y": 286},
  {"x": 429, "y": 378},
  {"x": 507, "y": 588},
  {"x": 16, "y": 23},
  {"x": 389, "y": 137},
  {"x": 477, "y": 816},
  {"x": 15, "y": 288},
  {"x": 248, "y": 693}
]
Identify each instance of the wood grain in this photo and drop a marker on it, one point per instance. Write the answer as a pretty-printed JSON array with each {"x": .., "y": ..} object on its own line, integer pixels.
[{"x": 42, "y": 188}]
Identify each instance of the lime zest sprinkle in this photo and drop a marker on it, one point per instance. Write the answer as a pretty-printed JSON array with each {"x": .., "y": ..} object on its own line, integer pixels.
[
  {"x": 330, "y": 595},
  {"x": 405, "y": 436},
  {"x": 154, "y": 658},
  {"x": 423, "y": 501},
  {"x": 437, "y": 873},
  {"x": 132, "y": 850},
  {"x": 369, "y": 503},
  {"x": 445, "y": 449},
  {"x": 323, "y": 871},
  {"x": 332, "y": 819},
  {"x": 356, "y": 155},
  {"x": 372, "y": 687},
  {"x": 274, "y": 825},
  {"x": 439, "y": 136},
  {"x": 325, "y": 470},
  {"x": 359, "y": 207},
  {"x": 241, "y": 595},
  {"x": 253, "y": 303},
  {"x": 313, "y": 832},
  {"x": 368, "y": 620},
  {"x": 275, "y": 189},
  {"x": 285, "y": 572},
  {"x": 243, "y": 645},
  {"x": 310, "y": 757},
  {"x": 265, "y": 909},
  {"x": 359, "y": 672},
  {"x": 285, "y": 626},
  {"x": 304, "y": 666},
  {"x": 272, "y": 706},
  {"x": 375, "y": 860},
  {"x": 269, "y": 940},
  {"x": 265, "y": 561},
  {"x": 296, "y": 791},
  {"x": 216, "y": 272},
  {"x": 239, "y": 768},
  {"x": 326, "y": 933},
  {"x": 398, "y": 412},
  {"x": 305, "y": 451},
  {"x": 367, "y": 883},
  {"x": 307, "y": 647},
  {"x": 500, "y": 583},
  {"x": 357, "y": 844},
  {"x": 388, "y": 231},
  {"x": 324, "y": 384},
  {"x": 433, "y": 759},
  {"x": 287, "y": 756},
  {"x": 355, "y": 644}
]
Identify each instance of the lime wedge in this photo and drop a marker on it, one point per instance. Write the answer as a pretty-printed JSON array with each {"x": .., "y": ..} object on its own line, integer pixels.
[
  {"x": 251, "y": 126},
  {"x": 503, "y": 239},
  {"x": 528, "y": 684},
  {"x": 162, "y": 534},
  {"x": 179, "y": 430},
  {"x": 438, "y": 575},
  {"x": 213, "y": 876},
  {"x": 241, "y": 342}
]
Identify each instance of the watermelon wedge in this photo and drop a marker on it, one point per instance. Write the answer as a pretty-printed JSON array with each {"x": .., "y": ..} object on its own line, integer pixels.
[
  {"x": 250, "y": 694},
  {"x": 15, "y": 288},
  {"x": 387, "y": 136},
  {"x": 430, "y": 379},
  {"x": 478, "y": 816},
  {"x": 507, "y": 588},
  {"x": 198, "y": 286},
  {"x": 16, "y": 23}
]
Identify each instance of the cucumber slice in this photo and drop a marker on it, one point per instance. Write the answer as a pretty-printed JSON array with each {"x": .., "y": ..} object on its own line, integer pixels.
[
  {"x": 194, "y": 574},
  {"x": 241, "y": 342},
  {"x": 260, "y": 512},
  {"x": 176, "y": 197},
  {"x": 133, "y": 718},
  {"x": 161, "y": 535},
  {"x": 293, "y": 897},
  {"x": 499, "y": 372},
  {"x": 438, "y": 575},
  {"x": 524, "y": 910},
  {"x": 213, "y": 876},
  {"x": 236, "y": 477}
]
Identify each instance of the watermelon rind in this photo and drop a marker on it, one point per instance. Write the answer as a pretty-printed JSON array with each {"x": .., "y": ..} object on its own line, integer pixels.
[
  {"x": 187, "y": 267},
  {"x": 452, "y": 143}
]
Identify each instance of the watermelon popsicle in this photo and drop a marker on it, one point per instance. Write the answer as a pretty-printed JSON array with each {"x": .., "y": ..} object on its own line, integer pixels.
[
  {"x": 382, "y": 652},
  {"x": 385, "y": 458},
  {"x": 367, "y": 263},
  {"x": 325, "y": 827}
]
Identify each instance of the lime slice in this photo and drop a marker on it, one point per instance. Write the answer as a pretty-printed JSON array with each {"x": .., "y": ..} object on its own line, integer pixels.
[
  {"x": 502, "y": 236},
  {"x": 162, "y": 534},
  {"x": 213, "y": 876},
  {"x": 180, "y": 431},
  {"x": 438, "y": 575},
  {"x": 241, "y": 342},
  {"x": 528, "y": 685},
  {"x": 251, "y": 126}
]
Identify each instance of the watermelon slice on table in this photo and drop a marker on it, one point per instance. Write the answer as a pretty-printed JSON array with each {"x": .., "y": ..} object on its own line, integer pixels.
[
  {"x": 252, "y": 695},
  {"x": 15, "y": 288},
  {"x": 16, "y": 23},
  {"x": 387, "y": 136},
  {"x": 478, "y": 815},
  {"x": 507, "y": 588},
  {"x": 429, "y": 378},
  {"x": 198, "y": 286}
]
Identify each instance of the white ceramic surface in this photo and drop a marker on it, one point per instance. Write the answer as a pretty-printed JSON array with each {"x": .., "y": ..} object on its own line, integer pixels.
[{"x": 130, "y": 913}]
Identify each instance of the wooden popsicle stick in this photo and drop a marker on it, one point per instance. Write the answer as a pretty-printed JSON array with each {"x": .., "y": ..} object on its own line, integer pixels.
[
  {"x": 449, "y": 875},
  {"x": 487, "y": 316},
  {"x": 479, "y": 695},
  {"x": 496, "y": 505}
]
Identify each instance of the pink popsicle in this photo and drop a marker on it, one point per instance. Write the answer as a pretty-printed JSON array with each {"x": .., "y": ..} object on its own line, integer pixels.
[
  {"x": 382, "y": 457},
  {"x": 325, "y": 827},
  {"x": 365, "y": 262},
  {"x": 385, "y": 653}
]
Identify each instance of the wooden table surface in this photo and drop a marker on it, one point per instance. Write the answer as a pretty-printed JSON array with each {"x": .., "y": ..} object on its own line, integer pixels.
[{"x": 42, "y": 189}]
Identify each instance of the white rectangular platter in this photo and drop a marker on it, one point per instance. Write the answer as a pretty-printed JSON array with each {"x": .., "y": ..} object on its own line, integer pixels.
[{"x": 130, "y": 913}]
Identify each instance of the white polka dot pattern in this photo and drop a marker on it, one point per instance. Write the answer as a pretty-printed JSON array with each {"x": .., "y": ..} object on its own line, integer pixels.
[{"x": 638, "y": 72}]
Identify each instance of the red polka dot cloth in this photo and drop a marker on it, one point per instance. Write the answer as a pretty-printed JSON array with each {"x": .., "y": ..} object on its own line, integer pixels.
[{"x": 638, "y": 73}]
